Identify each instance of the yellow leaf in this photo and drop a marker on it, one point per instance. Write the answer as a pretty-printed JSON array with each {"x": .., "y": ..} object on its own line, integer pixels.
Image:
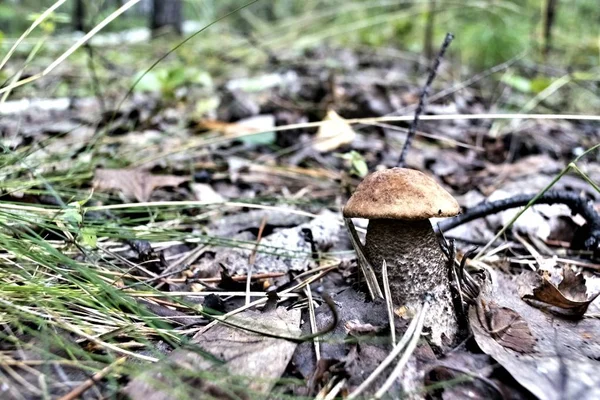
[{"x": 333, "y": 133}]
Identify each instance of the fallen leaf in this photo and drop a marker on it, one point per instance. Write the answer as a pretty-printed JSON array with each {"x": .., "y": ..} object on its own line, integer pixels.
[
  {"x": 565, "y": 363},
  {"x": 133, "y": 183},
  {"x": 240, "y": 355},
  {"x": 568, "y": 299},
  {"x": 506, "y": 326},
  {"x": 205, "y": 192},
  {"x": 355, "y": 327},
  {"x": 475, "y": 376},
  {"x": 333, "y": 133}
]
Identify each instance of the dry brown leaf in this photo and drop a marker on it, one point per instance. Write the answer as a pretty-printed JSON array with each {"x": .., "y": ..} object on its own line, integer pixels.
[
  {"x": 133, "y": 183},
  {"x": 565, "y": 362},
  {"x": 248, "y": 361},
  {"x": 568, "y": 299},
  {"x": 333, "y": 133},
  {"x": 355, "y": 327},
  {"x": 506, "y": 326}
]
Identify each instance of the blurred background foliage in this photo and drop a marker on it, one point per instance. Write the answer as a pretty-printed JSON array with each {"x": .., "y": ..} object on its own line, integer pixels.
[{"x": 488, "y": 33}]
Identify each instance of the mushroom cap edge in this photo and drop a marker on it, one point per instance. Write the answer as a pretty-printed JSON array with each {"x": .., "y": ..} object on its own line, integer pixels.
[{"x": 400, "y": 193}]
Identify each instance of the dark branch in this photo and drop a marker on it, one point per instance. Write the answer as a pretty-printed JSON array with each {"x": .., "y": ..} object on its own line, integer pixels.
[
  {"x": 423, "y": 99},
  {"x": 577, "y": 204}
]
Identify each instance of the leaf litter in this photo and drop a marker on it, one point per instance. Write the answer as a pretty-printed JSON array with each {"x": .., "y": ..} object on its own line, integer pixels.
[{"x": 238, "y": 149}]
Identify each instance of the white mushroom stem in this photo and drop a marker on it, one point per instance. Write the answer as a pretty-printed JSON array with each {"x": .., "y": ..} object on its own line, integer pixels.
[{"x": 416, "y": 265}]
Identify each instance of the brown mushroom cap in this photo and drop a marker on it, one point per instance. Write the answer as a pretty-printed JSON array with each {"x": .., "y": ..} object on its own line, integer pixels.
[{"x": 400, "y": 193}]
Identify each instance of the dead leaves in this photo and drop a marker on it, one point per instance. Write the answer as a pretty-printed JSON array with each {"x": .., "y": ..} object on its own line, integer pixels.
[
  {"x": 334, "y": 132},
  {"x": 133, "y": 183},
  {"x": 567, "y": 299},
  {"x": 564, "y": 362},
  {"x": 506, "y": 326},
  {"x": 230, "y": 358}
]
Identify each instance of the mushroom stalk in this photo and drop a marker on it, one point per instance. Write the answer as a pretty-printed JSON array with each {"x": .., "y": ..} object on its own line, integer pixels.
[
  {"x": 398, "y": 203},
  {"x": 416, "y": 265}
]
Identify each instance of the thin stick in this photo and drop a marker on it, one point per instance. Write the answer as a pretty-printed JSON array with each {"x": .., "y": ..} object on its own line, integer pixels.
[
  {"x": 576, "y": 203},
  {"x": 536, "y": 198},
  {"x": 313, "y": 321},
  {"x": 335, "y": 390},
  {"x": 79, "y": 390},
  {"x": 423, "y": 99},
  {"x": 252, "y": 258}
]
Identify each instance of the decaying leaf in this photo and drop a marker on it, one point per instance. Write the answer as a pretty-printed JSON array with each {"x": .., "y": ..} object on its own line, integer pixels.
[
  {"x": 568, "y": 299},
  {"x": 506, "y": 326},
  {"x": 232, "y": 358},
  {"x": 252, "y": 130},
  {"x": 133, "y": 183},
  {"x": 333, "y": 133},
  {"x": 565, "y": 363},
  {"x": 464, "y": 375},
  {"x": 357, "y": 328},
  {"x": 284, "y": 250},
  {"x": 205, "y": 192}
]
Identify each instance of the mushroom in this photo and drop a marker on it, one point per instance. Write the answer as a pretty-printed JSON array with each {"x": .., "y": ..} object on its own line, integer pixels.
[{"x": 398, "y": 203}]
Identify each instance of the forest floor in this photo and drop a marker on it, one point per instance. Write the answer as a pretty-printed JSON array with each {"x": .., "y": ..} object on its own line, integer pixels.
[{"x": 187, "y": 244}]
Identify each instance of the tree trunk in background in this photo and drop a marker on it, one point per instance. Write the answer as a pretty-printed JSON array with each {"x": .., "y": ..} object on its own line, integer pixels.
[
  {"x": 549, "y": 14},
  {"x": 430, "y": 24},
  {"x": 78, "y": 16},
  {"x": 166, "y": 14}
]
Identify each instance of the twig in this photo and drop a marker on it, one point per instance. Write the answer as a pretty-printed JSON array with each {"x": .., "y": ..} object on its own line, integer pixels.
[
  {"x": 79, "y": 390},
  {"x": 464, "y": 84},
  {"x": 576, "y": 203},
  {"x": 335, "y": 390},
  {"x": 423, "y": 99},
  {"x": 216, "y": 320},
  {"x": 252, "y": 258}
]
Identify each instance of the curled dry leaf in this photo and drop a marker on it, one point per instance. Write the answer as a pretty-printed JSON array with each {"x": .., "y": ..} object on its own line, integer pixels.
[
  {"x": 333, "y": 133},
  {"x": 565, "y": 362},
  {"x": 506, "y": 326},
  {"x": 133, "y": 183},
  {"x": 567, "y": 299}
]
